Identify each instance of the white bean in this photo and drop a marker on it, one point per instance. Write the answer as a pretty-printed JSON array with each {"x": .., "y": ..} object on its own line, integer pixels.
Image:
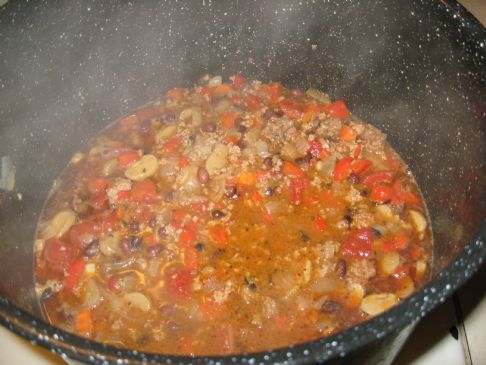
[
  {"x": 418, "y": 220},
  {"x": 143, "y": 168},
  {"x": 110, "y": 244},
  {"x": 375, "y": 304},
  {"x": 165, "y": 133},
  {"x": 389, "y": 262},
  {"x": 138, "y": 300}
]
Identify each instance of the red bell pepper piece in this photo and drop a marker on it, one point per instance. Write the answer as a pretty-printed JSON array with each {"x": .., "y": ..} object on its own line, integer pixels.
[
  {"x": 360, "y": 165},
  {"x": 379, "y": 177},
  {"x": 58, "y": 255},
  {"x": 381, "y": 194},
  {"x": 358, "y": 244},
  {"x": 292, "y": 170},
  {"x": 338, "y": 109},
  {"x": 188, "y": 235},
  {"x": 342, "y": 169},
  {"x": 179, "y": 281},
  {"x": 297, "y": 188},
  {"x": 348, "y": 134},
  {"x": 253, "y": 103},
  {"x": 96, "y": 185}
]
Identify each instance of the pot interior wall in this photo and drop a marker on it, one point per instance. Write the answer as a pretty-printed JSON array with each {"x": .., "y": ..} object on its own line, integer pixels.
[{"x": 410, "y": 68}]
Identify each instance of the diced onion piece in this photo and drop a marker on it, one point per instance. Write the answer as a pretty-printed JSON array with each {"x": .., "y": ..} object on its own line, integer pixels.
[
  {"x": 252, "y": 135},
  {"x": 93, "y": 295},
  {"x": 196, "y": 116},
  {"x": 60, "y": 224},
  {"x": 165, "y": 133},
  {"x": 222, "y": 106},
  {"x": 138, "y": 300},
  {"x": 218, "y": 159},
  {"x": 189, "y": 179},
  {"x": 325, "y": 285},
  {"x": 318, "y": 95},
  {"x": 215, "y": 81},
  {"x": 273, "y": 206},
  {"x": 306, "y": 272},
  {"x": 78, "y": 156},
  {"x": 289, "y": 152},
  {"x": 262, "y": 148},
  {"x": 384, "y": 212},
  {"x": 326, "y": 165},
  {"x": 418, "y": 220},
  {"x": 389, "y": 262},
  {"x": 109, "y": 167},
  {"x": 110, "y": 244},
  {"x": 168, "y": 170},
  {"x": 375, "y": 304},
  {"x": 145, "y": 167}
]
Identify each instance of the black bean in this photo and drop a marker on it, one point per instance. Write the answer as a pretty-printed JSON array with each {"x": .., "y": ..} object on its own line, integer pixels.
[
  {"x": 145, "y": 126},
  {"x": 167, "y": 310},
  {"x": 341, "y": 268},
  {"x": 46, "y": 294},
  {"x": 155, "y": 250},
  {"x": 92, "y": 249},
  {"x": 231, "y": 191},
  {"x": 242, "y": 144},
  {"x": 331, "y": 306},
  {"x": 348, "y": 218},
  {"x": 250, "y": 283},
  {"x": 354, "y": 178},
  {"x": 152, "y": 222},
  {"x": 133, "y": 227},
  {"x": 304, "y": 237},
  {"x": 169, "y": 117},
  {"x": 161, "y": 232},
  {"x": 209, "y": 127},
  {"x": 238, "y": 123},
  {"x": 269, "y": 113},
  {"x": 172, "y": 326},
  {"x": 217, "y": 213},
  {"x": 268, "y": 191},
  {"x": 202, "y": 175},
  {"x": 135, "y": 241},
  {"x": 268, "y": 162},
  {"x": 279, "y": 112},
  {"x": 199, "y": 246},
  {"x": 169, "y": 196},
  {"x": 376, "y": 232}
]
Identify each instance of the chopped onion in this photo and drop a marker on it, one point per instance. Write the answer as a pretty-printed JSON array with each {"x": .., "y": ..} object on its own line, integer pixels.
[
  {"x": 222, "y": 106},
  {"x": 301, "y": 146},
  {"x": 289, "y": 152},
  {"x": 262, "y": 148},
  {"x": 273, "y": 206},
  {"x": 217, "y": 159},
  {"x": 252, "y": 135},
  {"x": 60, "y": 224},
  {"x": 189, "y": 179},
  {"x": 389, "y": 262},
  {"x": 215, "y": 81},
  {"x": 110, "y": 244},
  {"x": 325, "y": 285},
  {"x": 318, "y": 95},
  {"x": 93, "y": 294}
]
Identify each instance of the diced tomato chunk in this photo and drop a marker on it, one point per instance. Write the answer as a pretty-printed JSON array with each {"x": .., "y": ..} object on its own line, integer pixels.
[
  {"x": 253, "y": 103},
  {"x": 188, "y": 235},
  {"x": 348, "y": 134},
  {"x": 273, "y": 91},
  {"x": 177, "y": 217},
  {"x": 360, "y": 165},
  {"x": 144, "y": 191},
  {"x": 358, "y": 244},
  {"x": 292, "y": 109},
  {"x": 58, "y": 255},
  {"x": 179, "y": 281},
  {"x": 146, "y": 113},
  {"x": 98, "y": 201},
  {"x": 227, "y": 120},
  {"x": 239, "y": 82},
  {"x": 298, "y": 186},
  {"x": 125, "y": 159},
  {"x": 338, "y": 109},
  {"x": 83, "y": 233},
  {"x": 316, "y": 150},
  {"x": 74, "y": 274},
  {"x": 172, "y": 145},
  {"x": 97, "y": 185}
]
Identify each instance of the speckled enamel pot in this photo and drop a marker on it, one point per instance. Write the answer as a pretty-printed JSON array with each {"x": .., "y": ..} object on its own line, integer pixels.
[{"x": 415, "y": 69}]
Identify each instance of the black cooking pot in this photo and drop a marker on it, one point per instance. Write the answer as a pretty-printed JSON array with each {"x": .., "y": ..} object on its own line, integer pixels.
[{"x": 415, "y": 69}]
